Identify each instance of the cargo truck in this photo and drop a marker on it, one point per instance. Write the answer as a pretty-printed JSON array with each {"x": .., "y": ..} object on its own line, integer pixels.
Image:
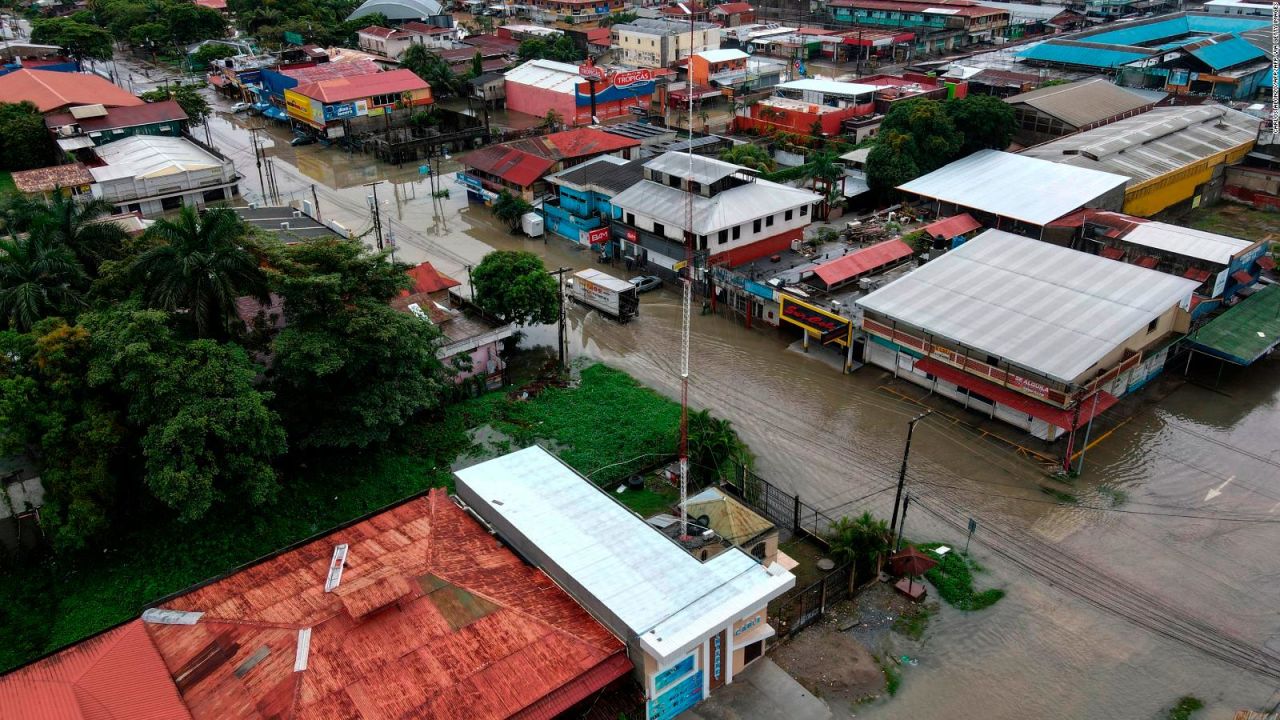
[{"x": 613, "y": 296}]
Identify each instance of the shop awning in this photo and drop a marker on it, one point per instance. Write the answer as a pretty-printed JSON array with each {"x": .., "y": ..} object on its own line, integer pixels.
[
  {"x": 700, "y": 92},
  {"x": 1111, "y": 253},
  {"x": 1056, "y": 416},
  {"x": 1243, "y": 277},
  {"x": 1196, "y": 274},
  {"x": 274, "y": 113},
  {"x": 1266, "y": 262}
]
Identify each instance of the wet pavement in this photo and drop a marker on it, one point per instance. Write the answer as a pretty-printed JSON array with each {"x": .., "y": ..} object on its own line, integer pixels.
[{"x": 1165, "y": 549}]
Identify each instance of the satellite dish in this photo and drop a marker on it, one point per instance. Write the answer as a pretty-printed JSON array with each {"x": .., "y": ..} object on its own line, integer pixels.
[{"x": 749, "y": 48}]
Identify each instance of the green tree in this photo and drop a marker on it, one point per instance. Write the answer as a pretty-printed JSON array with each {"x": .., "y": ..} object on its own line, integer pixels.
[
  {"x": 73, "y": 223},
  {"x": 431, "y": 67},
  {"x": 553, "y": 120},
  {"x": 510, "y": 209},
  {"x": 25, "y": 142},
  {"x": 935, "y": 140},
  {"x": 188, "y": 22},
  {"x": 515, "y": 286},
  {"x": 188, "y": 98},
  {"x": 38, "y": 278},
  {"x": 211, "y": 52},
  {"x": 348, "y": 370},
  {"x": 81, "y": 41},
  {"x": 149, "y": 35},
  {"x": 891, "y": 162},
  {"x": 199, "y": 266},
  {"x": 984, "y": 121},
  {"x": 715, "y": 450},
  {"x": 863, "y": 541},
  {"x": 618, "y": 18},
  {"x": 750, "y": 156},
  {"x": 559, "y": 48},
  {"x": 477, "y": 65}
]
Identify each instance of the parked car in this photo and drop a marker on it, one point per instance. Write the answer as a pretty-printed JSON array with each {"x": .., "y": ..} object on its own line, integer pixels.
[
  {"x": 302, "y": 140},
  {"x": 645, "y": 283},
  {"x": 241, "y": 107}
]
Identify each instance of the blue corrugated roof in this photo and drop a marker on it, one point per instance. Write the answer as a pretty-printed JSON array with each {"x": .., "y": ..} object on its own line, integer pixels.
[
  {"x": 1138, "y": 34},
  {"x": 1228, "y": 53},
  {"x": 1216, "y": 24},
  {"x": 1083, "y": 56}
]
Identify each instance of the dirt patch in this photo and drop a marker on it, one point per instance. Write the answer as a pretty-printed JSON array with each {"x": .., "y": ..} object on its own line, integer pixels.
[
  {"x": 870, "y": 616},
  {"x": 831, "y": 664}
]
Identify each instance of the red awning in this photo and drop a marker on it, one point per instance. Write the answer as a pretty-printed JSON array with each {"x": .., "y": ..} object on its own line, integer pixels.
[
  {"x": 1196, "y": 274},
  {"x": 1243, "y": 277},
  {"x": 862, "y": 261},
  {"x": 1056, "y": 416},
  {"x": 1147, "y": 261},
  {"x": 1111, "y": 253},
  {"x": 952, "y": 227},
  {"x": 1266, "y": 262}
]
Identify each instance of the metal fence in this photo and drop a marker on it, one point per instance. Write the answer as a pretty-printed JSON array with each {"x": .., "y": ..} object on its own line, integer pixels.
[{"x": 805, "y": 607}]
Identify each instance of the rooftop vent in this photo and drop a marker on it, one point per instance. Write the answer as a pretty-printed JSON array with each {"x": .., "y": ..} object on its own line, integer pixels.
[{"x": 335, "y": 567}]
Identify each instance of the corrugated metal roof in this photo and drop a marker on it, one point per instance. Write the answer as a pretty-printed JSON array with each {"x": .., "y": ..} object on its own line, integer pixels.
[
  {"x": 699, "y": 168},
  {"x": 146, "y": 156},
  {"x": 1068, "y": 53},
  {"x": 472, "y": 632},
  {"x": 1015, "y": 186},
  {"x": 515, "y": 166},
  {"x": 1186, "y": 241},
  {"x": 1222, "y": 53},
  {"x": 950, "y": 227},
  {"x": 663, "y": 596},
  {"x": 715, "y": 56},
  {"x": 605, "y": 173},
  {"x": 1084, "y": 102},
  {"x": 51, "y": 90},
  {"x": 355, "y": 87},
  {"x": 826, "y": 87},
  {"x": 1245, "y": 332},
  {"x": 711, "y": 214},
  {"x": 1154, "y": 143},
  {"x": 1049, "y": 309},
  {"x": 860, "y": 261},
  {"x": 546, "y": 74}
]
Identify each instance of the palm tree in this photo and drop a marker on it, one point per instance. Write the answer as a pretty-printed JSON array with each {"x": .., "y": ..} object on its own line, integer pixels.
[
  {"x": 199, "y": 267},
  {"x": 714, "y": 447},
  {"x": 823, "y": 171},
  {"x": 749, "y": 156},
  {"x": 38, "y": 278},
  {"x": 862, "y": 541},
  {"x": 76, "y": 224}
]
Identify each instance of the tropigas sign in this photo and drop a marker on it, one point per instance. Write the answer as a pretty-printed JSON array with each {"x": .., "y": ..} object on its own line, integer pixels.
[{"x": 827, "y": 327}]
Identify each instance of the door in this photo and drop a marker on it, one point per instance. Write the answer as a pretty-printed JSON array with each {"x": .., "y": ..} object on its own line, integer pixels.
[{"x": 752, "y": 652}]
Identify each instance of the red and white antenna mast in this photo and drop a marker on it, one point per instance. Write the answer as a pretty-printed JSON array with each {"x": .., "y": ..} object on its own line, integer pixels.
[{"x": 686, "y": 292}]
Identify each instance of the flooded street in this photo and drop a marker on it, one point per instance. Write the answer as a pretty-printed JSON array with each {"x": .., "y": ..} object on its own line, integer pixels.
[{"x": 1194, "y": 478}]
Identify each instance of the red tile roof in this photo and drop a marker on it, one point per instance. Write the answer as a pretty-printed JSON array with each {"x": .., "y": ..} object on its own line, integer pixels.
[
  {"x": 515, "y": 166},
  {"x": 123, "y": 117},
  {"x": 51, "y": 90},
  {"x": 118, "y": 675},
  {"x": 426, "y": 279},
  {"x": 376, "y": 31},
  {"x": 577, "y": 143},
  {"x": 433, "y": 618},
  {"x": 861, "y": 261},
  {"x": 333, "y": 70},
  {"x": 47, "y": 178},
  {"x": 357, "y": 87},
  {"x": 952, "y": 227},
  {"x": 424, "y": 29}
]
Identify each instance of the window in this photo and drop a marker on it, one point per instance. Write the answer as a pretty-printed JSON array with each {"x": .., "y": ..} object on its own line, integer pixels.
[
  {"x": 673, "y": 181},
  {"x": 788, "y": 215},
  {"x": 171, "y": 203},
  {"x": 695, "y": 186},
  {"x": 769, "y": 221},
  {"x": 993, "y": 361},
  {"x": 737, "y": 231},
  {"x": 702, "y": 242},
  {"x": 755, "y": 227},
  {"x": 659, "y": 229},
  {"x": 804, "y": 210},
  {"x": 723, "y": 237},
  {"x": 1151, "y": 326},
  {"x": 387, "y": 99},
  {"x": 631, "y": 219}
]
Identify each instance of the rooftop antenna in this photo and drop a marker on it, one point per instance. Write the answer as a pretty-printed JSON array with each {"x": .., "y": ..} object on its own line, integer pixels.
[{"x": 686, "y": 293}]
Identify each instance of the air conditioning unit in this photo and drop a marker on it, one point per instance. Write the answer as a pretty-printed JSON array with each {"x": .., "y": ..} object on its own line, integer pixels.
[
  {"x": 297, "y": 213},
  {"x": 284, "y": 226}
]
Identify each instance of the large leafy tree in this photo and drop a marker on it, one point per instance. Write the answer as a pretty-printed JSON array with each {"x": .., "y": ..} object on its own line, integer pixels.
[
  {"x": 935, "y": 140},
  {"x": 200, "y": 264},
  {"x": 81, "y": 40},
  {"x": 187, "y": 97},
  {"x": 431, "y": 67},
  {"x": 510, "y": 208},
  {"x": 38, "y": 278},
  {"x": 25, "y": 142},
  {"x": 515, "y": 286},
  {"x": 189, "y": 22},
  {"x": 348, "y": 369},
  {"x": 984, "y": 121},
  {"x": 891, "y": 162},
  {"x": 560, "y": 48}
]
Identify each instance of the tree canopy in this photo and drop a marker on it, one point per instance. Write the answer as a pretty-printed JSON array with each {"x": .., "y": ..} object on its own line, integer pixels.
[
  {"x": 25, "y": 142},
  {"x": 429, "y": 66},
  {"x": 188, "y": 98},
  {"x": 984, "y": 121},
  {"x": 560, "y": 48},
  {"x": 891, "y": 162},
  {"x": 82, "y": 41},
  {"x": 750, "y": 156},
  {"x": 935, "y": 139},
  {"x": 514, "y": 285},
  {"x": 163, "y": 22}
]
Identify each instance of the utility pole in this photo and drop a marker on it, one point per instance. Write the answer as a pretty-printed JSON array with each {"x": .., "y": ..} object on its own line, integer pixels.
[
  {"x": 257, "y": 157},
  {"x": 560, "y": 347},
  {"x": 906, "y": 500},
  {"x": 315, "y": 199},
  {"x": 377, "y": 213},
  {"x": 902, "y": 474}
]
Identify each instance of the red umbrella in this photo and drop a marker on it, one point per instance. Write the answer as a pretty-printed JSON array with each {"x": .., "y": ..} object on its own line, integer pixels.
[{"x": 911, "y": 562}]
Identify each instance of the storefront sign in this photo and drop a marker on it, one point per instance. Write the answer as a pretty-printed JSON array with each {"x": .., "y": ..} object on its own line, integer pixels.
[
  {"x": 339, "y": 111},
  {"x": 673, "y": 673},
  {"x": 748, "y": 625},
  {"x": 632, "y": 77},
  {"x": 301, "y": 107},
  {"x": 827, "y": 326},
  {"x": 597, "y": 236}
]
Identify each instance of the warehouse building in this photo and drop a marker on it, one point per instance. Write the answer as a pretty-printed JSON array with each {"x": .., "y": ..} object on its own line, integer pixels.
[
  {"x": 1058, "y": 110},
  {"x": 1039, "y": 336},
  {"x": 1170, "y": 155},
  {"x": 693, "y": 612}
]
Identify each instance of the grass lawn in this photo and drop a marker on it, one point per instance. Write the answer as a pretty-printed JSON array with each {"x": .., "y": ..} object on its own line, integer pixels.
[
  {"x": 953, "y": 577},
  {"x": 607, "y": 427},
  {"x": 6, "y": 183},
  {"x": 1235, "y": 220}
]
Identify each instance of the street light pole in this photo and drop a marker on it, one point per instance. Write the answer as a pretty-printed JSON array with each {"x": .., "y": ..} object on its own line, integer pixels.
[{"x": 902, "y": 473}]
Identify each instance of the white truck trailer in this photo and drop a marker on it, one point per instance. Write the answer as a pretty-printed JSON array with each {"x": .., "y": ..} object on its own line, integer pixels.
[{"x": 606, "y": 293}]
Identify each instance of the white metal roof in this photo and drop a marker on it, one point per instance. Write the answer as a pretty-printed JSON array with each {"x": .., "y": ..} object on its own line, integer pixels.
[
  {"x": 1186, "y": 241},
  {"x": 721, "y": 211},
  {"x": 666, "y": 598},
  {"x": 705, "y": 169},
  {"x": 546, "y": 74},
  {"x": 716, "y": 56},
  {"x": 1015, "y": 186},
  {"x": 1047, "y": 308},
  {"x": 150, "y": 156},
  {"x": 827, "y": 87},
  {"x": 604, "y": 280}
]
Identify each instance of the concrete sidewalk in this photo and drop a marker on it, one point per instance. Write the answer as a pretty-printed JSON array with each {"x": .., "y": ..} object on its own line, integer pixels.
[{"x": 763, "y": 691}]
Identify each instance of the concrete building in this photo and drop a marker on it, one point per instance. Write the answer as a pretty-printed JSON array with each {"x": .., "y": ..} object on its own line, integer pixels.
[
  {"x": 797, "y": 105},
  {"x": 392, "y": 42},
  {"x": 1238, "y": 7},
  {"x": 541, "y": 85},
  {"x": 653, "y": 43},
  {"x": 1058, "y": 110},
  {"x": 150, "y": 174},
  {"x": 694, "y": 614},
  {"x": 1040, "y": 336},
  {"x": 325, "y": 105},
  {"x": 1170, "y": 155},
  {"x": 737, "y": 217},
  {"x": 1018, "y": 193},
  {"x": 936, "y": 27},
  {"x": 583, "y": 202},
  {"x": 733, "y": 14}
]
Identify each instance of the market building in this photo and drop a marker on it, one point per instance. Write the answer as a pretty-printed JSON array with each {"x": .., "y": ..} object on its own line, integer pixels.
[
  {"x": 152, "y": 174},
  {"x": 1057, "y": 110},
  {"x": 737, "y": 217},
  {"x": 1040, "y": 336},
  {"x": 1017, "y": 193},
  {"x": 936, "y": 27},
  {"x": 1171, "y": 156},
  {"x": 693, "y": 612},
  {"x": 797, "y": 105},
  {"x": 327, "y": 105},
  {"x": 538, "y": 86},
  {"x": 654, "y": 43}
]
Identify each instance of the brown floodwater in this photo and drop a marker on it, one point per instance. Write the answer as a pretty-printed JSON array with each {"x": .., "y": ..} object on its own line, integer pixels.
[{"x": 1059, "y": 644}]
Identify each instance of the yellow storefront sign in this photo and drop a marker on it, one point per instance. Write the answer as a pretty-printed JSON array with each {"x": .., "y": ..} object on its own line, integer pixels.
[{"x": 303, "y": 109}]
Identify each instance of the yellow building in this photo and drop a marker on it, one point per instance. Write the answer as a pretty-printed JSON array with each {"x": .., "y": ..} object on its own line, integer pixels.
[
  {"x": 654, "y": 43},
  {"x": 1171, "y": 155}
]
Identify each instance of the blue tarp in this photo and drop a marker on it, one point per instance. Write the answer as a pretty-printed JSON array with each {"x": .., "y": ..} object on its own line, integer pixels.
[{"x": 275, "y": 113}]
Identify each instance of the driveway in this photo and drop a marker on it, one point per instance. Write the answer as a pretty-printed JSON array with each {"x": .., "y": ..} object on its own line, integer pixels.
[{"x": 763, "y": 691}]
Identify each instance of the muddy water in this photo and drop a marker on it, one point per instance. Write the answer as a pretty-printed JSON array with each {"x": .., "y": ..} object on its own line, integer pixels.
[{"x": 836, "y": 441}]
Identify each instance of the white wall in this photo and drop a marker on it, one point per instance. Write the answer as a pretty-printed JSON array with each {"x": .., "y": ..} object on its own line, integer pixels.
[{"x": 747, "y": 232}]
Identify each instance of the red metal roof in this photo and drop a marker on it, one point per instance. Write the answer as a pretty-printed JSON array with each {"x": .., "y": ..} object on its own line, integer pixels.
[
  {"x": 953, "y": 226},
  {"x": 1147, "y": 261},
  {"x": 123, "y": 117},
  {"x": 585, "y": 142},
  {"x": 213, "y": 4},
  {"x": 861, "y": 261},
  {"x": 1064, "y": 418},
  {"x": 515, "y": 166},
  {"x": 733, "y": 8},
  {"x": 376, "y": 31},
  {"x": 424, "y": 29},
  {"x": 426, "y": 279},
  {"x": 969, "y": 9},
  {"x": 433, "y": 618},
  {"x": 1112, "y": 253},
  {"x": 1197, "y": 274},
  {"x": 50, "y": 90},
  {"x": 357, "y": 87},
  {"x": 1243, "y": 277},
  {"x": 118, "y": 675},
  {"x": 332, "y": 70}
]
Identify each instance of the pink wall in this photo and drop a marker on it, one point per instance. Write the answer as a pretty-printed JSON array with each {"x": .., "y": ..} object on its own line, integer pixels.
[
  {"x": 536, "y": 101},
  {"x": 480, "y": 358}
]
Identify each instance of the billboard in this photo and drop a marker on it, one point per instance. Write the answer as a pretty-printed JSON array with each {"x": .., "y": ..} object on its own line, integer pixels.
[
  {"x": 302, "y": 108},
  {"x": 340, "y": 111},
  {"x": 596, "y": 236},
  {"x": 826, "y": 326},
  {"x": 632, "y": 77}
]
